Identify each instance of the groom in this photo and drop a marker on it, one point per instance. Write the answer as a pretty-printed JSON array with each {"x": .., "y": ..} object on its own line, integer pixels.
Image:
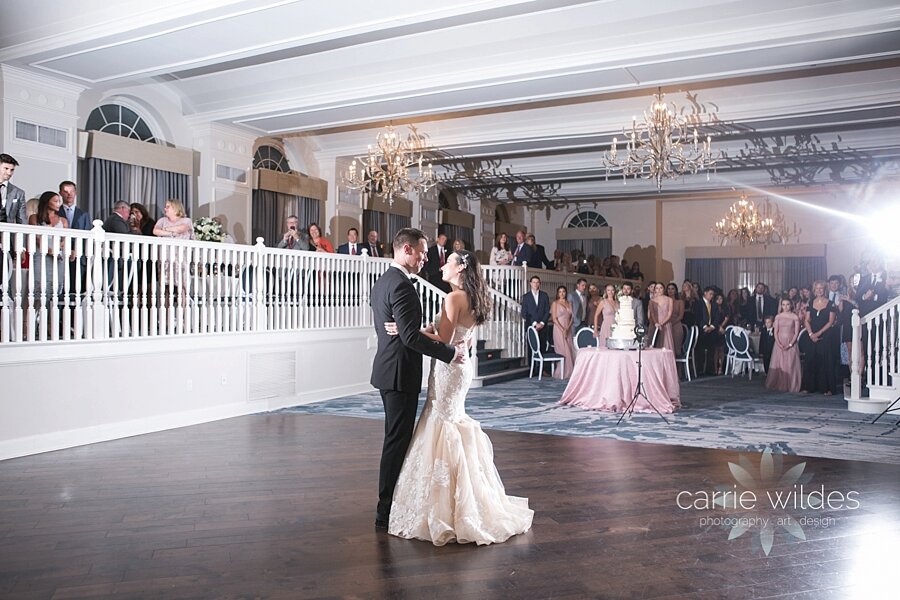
[{"x": 397, "y": 370}]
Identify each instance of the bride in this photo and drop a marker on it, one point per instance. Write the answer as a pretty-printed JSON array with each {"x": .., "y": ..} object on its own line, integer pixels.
[{"x": 449, "y": 489}]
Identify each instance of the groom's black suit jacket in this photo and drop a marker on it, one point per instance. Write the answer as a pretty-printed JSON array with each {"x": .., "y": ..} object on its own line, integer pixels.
[{"x": 398, "y": 361}]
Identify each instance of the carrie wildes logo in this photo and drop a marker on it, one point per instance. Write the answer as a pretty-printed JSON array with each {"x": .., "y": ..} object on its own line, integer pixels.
[{"x": 764, "y": 504}]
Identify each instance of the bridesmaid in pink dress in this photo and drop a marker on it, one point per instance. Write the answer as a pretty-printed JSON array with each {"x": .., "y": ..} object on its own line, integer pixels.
[
  {"x": 663, "y": 308},
  {"x": 677, "y": 316},
  {"x": 605, "y": 315},
  {"x": 563, "y": 342},
  {"x": 784, "y": 366}
]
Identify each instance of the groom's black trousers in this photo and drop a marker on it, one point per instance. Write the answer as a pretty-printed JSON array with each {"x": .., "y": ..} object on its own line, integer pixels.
[{"x": 399, "y": 421}]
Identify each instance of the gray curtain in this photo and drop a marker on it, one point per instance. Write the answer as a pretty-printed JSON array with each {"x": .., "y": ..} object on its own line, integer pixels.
[
  {"x": 599, "y": 248},
  {"x": 270, "y": 209},
  {"x": 109, "y": 181},
  {"x": 705, "y": 271},
  {"x": 458, "y": 232},
  {"x": 386, "y": 224},
  {"x": 804, "y": 270}
]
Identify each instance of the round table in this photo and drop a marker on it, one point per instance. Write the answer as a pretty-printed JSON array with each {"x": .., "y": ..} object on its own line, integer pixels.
[{"x": 605, "y": 380}]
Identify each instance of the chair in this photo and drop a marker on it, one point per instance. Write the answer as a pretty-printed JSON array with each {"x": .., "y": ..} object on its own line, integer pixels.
[
  {"x": 585, "y": 338},
  {"x": 540, "y": 357},
  {"x": 690, "y": 345},
  {"x": 729, "y": 349},
  {"x": 739, "y": 341}
]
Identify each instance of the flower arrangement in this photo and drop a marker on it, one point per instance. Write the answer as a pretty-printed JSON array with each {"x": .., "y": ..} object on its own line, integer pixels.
[{"x": 208, "y": 230}]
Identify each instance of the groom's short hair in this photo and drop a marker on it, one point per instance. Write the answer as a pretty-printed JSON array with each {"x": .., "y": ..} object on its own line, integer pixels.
[{"x": 408, "y": 235}]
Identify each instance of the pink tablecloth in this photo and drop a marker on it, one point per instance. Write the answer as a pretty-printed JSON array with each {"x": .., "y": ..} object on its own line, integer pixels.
[{"x": 605, "y": 380}]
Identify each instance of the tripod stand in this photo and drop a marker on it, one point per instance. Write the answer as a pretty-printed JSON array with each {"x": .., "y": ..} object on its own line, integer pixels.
[{"x": 639, "y": 386}]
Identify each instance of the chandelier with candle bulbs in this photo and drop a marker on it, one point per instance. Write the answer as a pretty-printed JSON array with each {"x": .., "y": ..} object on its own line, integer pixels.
[
  {"x": 394, "y": 167},
  {"x": 748, "y": 224},
  {"x": 666, "y": 145}
]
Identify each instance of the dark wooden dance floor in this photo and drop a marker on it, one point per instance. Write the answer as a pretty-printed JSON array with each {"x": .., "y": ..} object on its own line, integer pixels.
[{"x": 281, "y": 506}]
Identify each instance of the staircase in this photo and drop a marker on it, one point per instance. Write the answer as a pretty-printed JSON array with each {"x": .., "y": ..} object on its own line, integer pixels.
[
  {"x": 875, "y": 359},
  {"x": 494, "y": 368}
]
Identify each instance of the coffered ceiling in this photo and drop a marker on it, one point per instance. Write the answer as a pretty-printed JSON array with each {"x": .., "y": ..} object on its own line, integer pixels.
[{"x": 527, "y": 94}]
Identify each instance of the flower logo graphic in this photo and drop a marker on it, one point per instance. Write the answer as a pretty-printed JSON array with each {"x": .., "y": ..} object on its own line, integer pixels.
[{"x": 775, "y": 492}]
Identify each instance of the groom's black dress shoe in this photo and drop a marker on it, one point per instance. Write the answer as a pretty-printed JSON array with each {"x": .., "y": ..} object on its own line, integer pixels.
[{"x": 379, "y": 524}]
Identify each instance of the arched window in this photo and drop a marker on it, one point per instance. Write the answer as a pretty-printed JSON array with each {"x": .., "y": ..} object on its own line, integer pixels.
[
  {"x": 120, "y": 120},
  {"x": 587, "y": 218},
  {"x": 270, "y": 157}
]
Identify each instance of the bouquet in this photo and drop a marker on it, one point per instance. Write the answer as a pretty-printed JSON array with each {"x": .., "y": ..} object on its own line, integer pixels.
[{"x": 208, "y": 230}]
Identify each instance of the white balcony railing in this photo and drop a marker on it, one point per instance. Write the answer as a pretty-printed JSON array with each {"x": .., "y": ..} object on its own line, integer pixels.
[{"x": 875, "y": 358}]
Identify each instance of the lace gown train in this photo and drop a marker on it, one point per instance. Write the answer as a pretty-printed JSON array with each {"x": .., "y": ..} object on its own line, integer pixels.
[{"x": 449, "y": 489}]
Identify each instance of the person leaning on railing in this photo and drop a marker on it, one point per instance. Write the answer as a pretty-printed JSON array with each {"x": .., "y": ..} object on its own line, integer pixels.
[{"x": 174, "y": 223}]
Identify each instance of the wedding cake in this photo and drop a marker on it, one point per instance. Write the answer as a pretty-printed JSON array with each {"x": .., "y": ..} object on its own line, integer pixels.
[{"x": 623, "y": 336}]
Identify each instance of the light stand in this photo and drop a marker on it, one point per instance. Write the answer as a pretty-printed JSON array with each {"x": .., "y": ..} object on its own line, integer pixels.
[{"x": 639, "y": 332}]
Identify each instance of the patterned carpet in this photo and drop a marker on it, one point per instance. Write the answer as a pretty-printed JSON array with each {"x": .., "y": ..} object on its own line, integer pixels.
[{"x": 718, "y": 412}]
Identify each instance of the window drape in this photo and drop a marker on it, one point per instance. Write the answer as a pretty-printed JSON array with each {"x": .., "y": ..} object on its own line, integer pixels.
[
  {"x": 777, "y": 273},
  {"x": 458, "y": 232},
  {"x": 110, "y": 181},
  {"x": 270, "y": 209},
  {"x": 386, "y": 224},
  {"x": 599, "y": 248}
]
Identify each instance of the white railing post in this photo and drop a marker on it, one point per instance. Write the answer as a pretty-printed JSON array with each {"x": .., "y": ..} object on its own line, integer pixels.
[
  {"x": 259, "y": 288},
  {"x": 855, "y": 376},
  {"x": 96, "y": 282}
]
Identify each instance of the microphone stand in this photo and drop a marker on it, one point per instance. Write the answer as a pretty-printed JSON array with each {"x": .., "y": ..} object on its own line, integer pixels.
[{"x": 639, "y": 386}]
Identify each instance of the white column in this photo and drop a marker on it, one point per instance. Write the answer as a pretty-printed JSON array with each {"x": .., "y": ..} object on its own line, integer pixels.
[
  {"x": 224, "y": 180},
  {"x": 37, "y": 101}
]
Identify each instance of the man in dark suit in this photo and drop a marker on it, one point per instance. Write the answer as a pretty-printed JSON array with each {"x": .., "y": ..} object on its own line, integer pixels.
[
  {"x": 706, "y": 314},
  {"x": 117, "y": 222},
  {"x": 397, "y": 369},
  {"x": 872, "y": 291},
  {"x": 12, "y": 198},
  {"x": 536, "y": 312},
  {"x": 538, "y": 255},
  {"x": 78, "y": 219},
  {"x": 352, "y": 247},
  {"x": 521, "y": 254},
  {"x": 767, "y": 341},
  {"x": 763, "y": 305},
  {"x": 437, "y": 256},
  {"x": 374, "y": 247}
]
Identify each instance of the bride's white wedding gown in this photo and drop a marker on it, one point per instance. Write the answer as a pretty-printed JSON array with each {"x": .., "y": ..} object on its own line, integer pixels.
[{"x": 449, "y": 489}]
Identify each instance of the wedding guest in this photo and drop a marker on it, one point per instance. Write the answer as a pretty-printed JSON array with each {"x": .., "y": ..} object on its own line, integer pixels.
[
  {"x": 141, "y": 222},
  {"x": 174, "y": 223},
  {"x": 352, "y": 246},
  {"x": 783, "y": 374},
  {"x": 578, "y": 299},
  {"x": 317, "y": 241},
  {"x": 677, "y": 317},
  {"x": 615, "y": 269},
  {"x": 690, "y": 303},
  {"x": 374, "y": 247},
  {"x": 818, "y": 366},
  {"x": 118, "y": 220},
  {"x": 51, "y": 265},
  {"x": 626, "y": 269},
  {"x": 660, "y": 311},
  {"x": 500, "y": 254},
  {"x": 536, "y": 311},
  {"x": 458, "y": 245},
  {"x": 605, "y": 315},
  {"x": 767, "y": 341},
  {"x": 721, "y": 320},
  {"x": 636, "y": 271},
  {"x": 294, "y": 238},
  {"x": 77, "y": 218},
  {"x": 566, "y": 265},
  {"x": 538, "y": 255},
  {"x": 706, "y": 313},
  {"x": 592, "y": 302},
  {"x": 733, "y": 301},
  {"x": 561, "y": 317},
  {"x": 521, "y": 254}
]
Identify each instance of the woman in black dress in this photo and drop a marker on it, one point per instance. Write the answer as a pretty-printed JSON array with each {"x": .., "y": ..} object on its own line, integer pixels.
[{"x": 818, "y": 365}]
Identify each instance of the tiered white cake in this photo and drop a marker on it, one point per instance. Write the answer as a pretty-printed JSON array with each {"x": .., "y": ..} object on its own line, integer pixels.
[{"x": 622, "y": 336}]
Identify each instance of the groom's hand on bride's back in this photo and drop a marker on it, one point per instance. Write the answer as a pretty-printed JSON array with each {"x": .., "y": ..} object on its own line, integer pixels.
[{"x": 462, "y": 352}]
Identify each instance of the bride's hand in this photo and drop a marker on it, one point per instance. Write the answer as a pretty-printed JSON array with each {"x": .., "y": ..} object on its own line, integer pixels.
[
  {"x": 390, "y": 327},
  {"x": 462, "y": 352},
  {"x": 429, "y": 328}
]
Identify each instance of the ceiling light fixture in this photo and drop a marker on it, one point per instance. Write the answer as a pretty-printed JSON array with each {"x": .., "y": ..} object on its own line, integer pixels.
[{"x": 665, "y": 145}]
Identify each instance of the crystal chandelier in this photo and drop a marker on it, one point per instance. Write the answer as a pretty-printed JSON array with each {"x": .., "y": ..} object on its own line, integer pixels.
[
  {"x": 748, "y": 224},
  {"x": 385, "y": 170},
  {"x": 665, "y": 145}
]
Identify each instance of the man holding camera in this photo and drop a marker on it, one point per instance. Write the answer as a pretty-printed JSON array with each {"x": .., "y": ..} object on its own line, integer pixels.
[{"x": 294, "y": 238}]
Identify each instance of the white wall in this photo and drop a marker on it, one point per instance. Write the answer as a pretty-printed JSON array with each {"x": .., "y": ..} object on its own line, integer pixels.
[{"x": 66, "y": 394}]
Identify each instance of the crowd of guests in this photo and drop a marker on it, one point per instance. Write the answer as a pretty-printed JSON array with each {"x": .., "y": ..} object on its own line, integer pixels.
[{"x": 804, "y": 332}]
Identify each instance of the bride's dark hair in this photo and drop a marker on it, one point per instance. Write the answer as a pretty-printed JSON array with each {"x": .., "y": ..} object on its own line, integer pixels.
[{"x": 472, "y": 283}]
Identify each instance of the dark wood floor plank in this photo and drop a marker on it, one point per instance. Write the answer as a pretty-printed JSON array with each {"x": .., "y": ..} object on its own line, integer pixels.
[{"x": 281, "y": 506}]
